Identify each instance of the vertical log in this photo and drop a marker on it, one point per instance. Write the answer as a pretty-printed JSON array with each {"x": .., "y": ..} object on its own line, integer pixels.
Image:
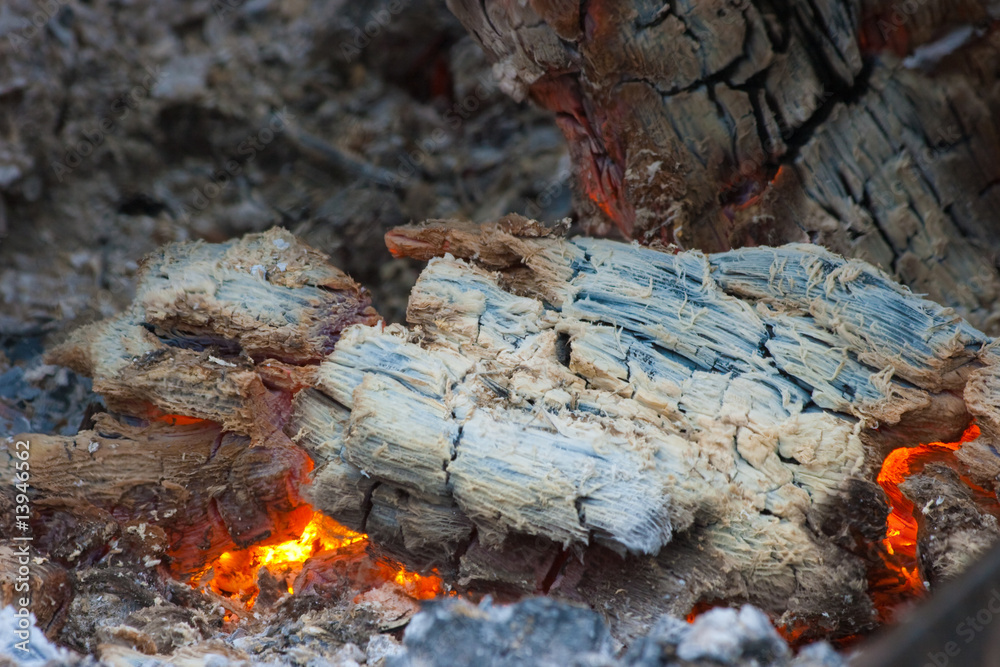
[{"x": 716, "y": 125}]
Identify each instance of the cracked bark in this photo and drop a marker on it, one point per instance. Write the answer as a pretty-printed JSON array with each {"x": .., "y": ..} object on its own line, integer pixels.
[
  {"x": 718, "y": 125},
  {"x": 634, "y": 429}
]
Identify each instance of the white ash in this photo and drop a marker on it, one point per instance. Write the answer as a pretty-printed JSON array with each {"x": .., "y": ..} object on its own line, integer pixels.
[
  {"x": 544, "y": 632},
  {"x": 454, "y": 632},
  {"x": 38, "y": 650},
  {"x": 381, "y": 647},
  {"x": 727, "y": 635}
]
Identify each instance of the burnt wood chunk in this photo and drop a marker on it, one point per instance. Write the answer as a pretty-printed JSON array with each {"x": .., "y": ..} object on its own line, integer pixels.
[
  {"x": 954, "y": 529},
  {"x": 206, "y": 316},
  {"x": 638, "y": 429},
  {"x": 188, "y": 493},
  {"x": 865, "y": 127}
]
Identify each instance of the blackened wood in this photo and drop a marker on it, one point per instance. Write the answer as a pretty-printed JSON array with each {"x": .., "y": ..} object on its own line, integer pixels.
[{"x": 716, "y": 125}]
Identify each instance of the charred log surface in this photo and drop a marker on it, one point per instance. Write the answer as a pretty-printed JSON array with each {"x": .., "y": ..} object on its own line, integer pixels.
[
  {"x": 630, "y": 428},
  {"x": 717, "y": 124},
  {"x": 220, "y": 332},
  {"x": 180, "y": 494},
  {"x": 955, "y": 530}
]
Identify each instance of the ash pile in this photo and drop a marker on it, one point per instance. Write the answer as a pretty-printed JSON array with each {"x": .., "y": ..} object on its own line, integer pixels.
[
  {"x": 124, "y": 127},
  {"x": 456, "y": 633}
]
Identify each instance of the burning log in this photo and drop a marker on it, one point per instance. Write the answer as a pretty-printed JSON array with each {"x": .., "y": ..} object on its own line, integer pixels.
[
  {"x": 635, "y": 429},
  {"x": 188, "y": 491},
  {"x": 956, "y": 530},
  {"x": 202, "y": 365},
  {"x": 717, "y": 125},
  {"x": 217, "y": 332}
]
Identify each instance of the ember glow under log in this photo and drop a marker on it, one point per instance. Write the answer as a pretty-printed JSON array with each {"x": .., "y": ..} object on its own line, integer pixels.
[
  {"x": 901, "y": 525},
  {"x": 638, "y": 430},
  {"x": 235, "y": 574}
]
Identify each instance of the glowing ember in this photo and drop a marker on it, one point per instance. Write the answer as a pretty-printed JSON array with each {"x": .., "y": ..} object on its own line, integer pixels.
[
  {"x": 419, "y": 587},
  {"x": 701, "y": 607},
  {"x": 234, "y": 573},
  {"x": 178, "y": 420},
  {"x": 903, "y": 579},
  {"x": 899, "y": 579}
]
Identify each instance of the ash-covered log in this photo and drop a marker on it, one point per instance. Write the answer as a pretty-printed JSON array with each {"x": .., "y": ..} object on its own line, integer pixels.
[
  {"x": 216, "y": 330},
  {"x": 634, "y": 429}
]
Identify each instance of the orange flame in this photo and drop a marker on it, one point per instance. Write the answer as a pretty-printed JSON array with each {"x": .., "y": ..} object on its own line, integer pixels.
[
  {"x": 419, "y": 587},
  {"x": 234, "y": 573},
  {"x": 904, "y": 579},
  {"x": 178, "y": 420}
]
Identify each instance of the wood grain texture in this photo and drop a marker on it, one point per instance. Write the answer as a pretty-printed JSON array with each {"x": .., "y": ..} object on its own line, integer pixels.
[
  {"x": 700, "y": 416},
  {"x": 216, "y": 329},
  {"x": 181, "y": 495},
  {"x": 716, "y": 125},
  {"x": 628, "y": 427}
]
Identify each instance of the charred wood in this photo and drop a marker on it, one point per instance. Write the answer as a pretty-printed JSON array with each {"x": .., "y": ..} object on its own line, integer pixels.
[
  {"x": 717, "y": 125},
  {"x": 635, "y": 429}
]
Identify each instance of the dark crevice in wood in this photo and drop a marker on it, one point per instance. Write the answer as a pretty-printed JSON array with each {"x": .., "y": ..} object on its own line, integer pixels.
[
  {"x": 779, "y": 42},
  {"x": 367, "y": 506},
  {"x": 848, "y": 96},
  {"x": 989, "y": 186},
  {"x": 754, "y": 87},
  {"x": 558, "y": 563},
  {"x": 584, "y": 13},
  {"x": 463, "y": 546},
  {"x": 827, "y": 35},
  {"x": 722, "y": 76},
  {"x": 564, "y": 349}
]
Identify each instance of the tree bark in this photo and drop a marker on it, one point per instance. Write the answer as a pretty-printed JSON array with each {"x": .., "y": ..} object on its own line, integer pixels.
[{"x": 718, "y": 124}]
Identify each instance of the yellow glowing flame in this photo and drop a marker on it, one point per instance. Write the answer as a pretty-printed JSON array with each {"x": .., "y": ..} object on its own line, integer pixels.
[
  {"x": 901, "y": 579},
  {"x": 235, "y": 572},
  {"x": 319, "y": 534},
  {"x": 417, "y": 586}
]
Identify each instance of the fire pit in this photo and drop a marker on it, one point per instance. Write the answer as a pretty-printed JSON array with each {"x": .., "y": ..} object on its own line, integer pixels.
[
  {"x": 643, "y": 432},
  {"x": 761, "y": 433}
]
